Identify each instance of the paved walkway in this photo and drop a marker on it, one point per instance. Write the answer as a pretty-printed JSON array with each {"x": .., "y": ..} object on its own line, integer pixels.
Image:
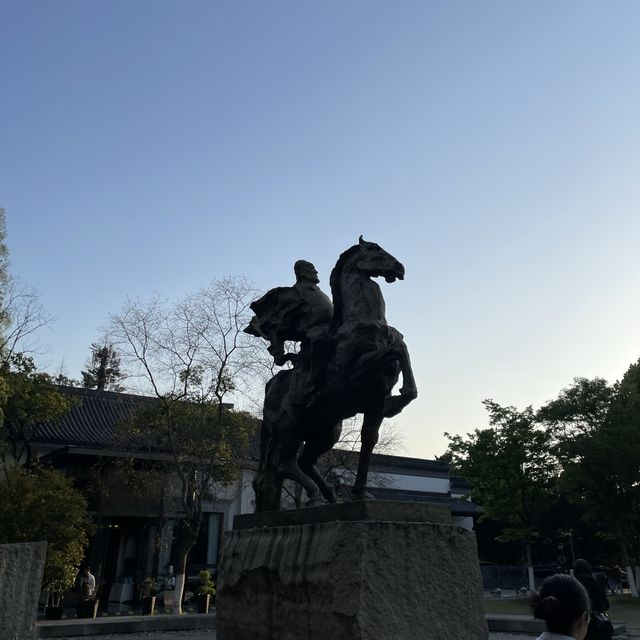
[
  {"x": 153, "y": 635},
  {"x": 634, "y": 634},
  {"x": 210, "y": 635}
]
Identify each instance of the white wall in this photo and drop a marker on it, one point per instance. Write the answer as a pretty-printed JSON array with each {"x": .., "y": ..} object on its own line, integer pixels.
[
  {"x": 463, "y": 521},
  {"x": 236, "y": 498},
  {"x": 412, "y": 483}
]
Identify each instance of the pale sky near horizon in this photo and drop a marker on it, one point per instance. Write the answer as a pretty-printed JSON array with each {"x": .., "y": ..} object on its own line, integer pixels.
[{"x": 491, "y": 146}]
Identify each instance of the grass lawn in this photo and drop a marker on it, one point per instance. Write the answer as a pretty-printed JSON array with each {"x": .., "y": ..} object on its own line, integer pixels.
[{"x": 623, "y": 607}]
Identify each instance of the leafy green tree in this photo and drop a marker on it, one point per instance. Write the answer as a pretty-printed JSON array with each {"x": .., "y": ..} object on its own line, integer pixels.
[
  {"x": 512, "y": 472},
  {"x": 42, "y": 504},
  {"x": 103, "y": 369},
  {"x": 596, "y": 427},
  {"x": 205, "y": 447},
  {"x": 29, "y": 397}
]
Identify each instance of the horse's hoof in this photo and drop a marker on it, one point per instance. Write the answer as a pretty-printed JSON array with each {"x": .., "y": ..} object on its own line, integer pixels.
[
  {"x": 314, "y": 502},
  {"x": 409, "y": 393}
]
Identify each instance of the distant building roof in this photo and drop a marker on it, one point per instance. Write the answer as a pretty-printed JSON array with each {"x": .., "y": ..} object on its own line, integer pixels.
[
  {"x": 95, "y": 421},
  {"x": 412, "y": 466},
  {"x": 458, "y": 506},
  {"x": 92, "y": 428}
]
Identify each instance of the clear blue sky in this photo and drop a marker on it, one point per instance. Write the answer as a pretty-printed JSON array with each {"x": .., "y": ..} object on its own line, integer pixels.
[{"x": 493, "y": 147}]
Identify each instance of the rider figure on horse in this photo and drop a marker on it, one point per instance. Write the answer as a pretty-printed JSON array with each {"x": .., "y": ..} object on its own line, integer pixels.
[
  {"x": 300, "y": 313},
  {"x": 349, "y": 361}
]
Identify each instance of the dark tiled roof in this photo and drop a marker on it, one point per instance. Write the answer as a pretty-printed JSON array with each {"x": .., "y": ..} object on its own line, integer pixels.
[
  {"x": 417, "y": 466},
  {"x": 94, "y": 421},
  {"x": 458, "y": 507},
  {"x": 385, "y": 463}
]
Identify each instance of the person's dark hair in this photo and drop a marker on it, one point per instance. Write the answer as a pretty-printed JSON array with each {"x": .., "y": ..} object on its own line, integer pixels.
[
  {"x": 560, "y": 601},
  {"x": 582, "y": 567}
]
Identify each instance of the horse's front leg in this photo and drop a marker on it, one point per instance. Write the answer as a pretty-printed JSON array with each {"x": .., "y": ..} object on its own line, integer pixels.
[
  {"x": 370, "y": 428},
  {"x": 409, "y": 388},
  {"x": 393, "y": 405}
]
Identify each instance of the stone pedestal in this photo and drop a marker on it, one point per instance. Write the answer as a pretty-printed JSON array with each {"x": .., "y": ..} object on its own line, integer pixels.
[
  {"x": 364, "y": 570},
  {"x": 21, "y": 567}
]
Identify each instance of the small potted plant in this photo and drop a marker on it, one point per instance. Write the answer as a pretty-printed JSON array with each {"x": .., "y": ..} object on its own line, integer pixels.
[
  {"x": 204, "y": 591},
  {"x": 148, "y": 589},
  {"x": 60, "y": 571},
  {"x": 53, "y": 609}
]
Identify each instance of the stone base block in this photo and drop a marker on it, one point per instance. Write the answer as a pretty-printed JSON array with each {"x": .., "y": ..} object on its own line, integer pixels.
[
  {"x": 21, "y": 567},
  {"x": 351, "y": 579}
]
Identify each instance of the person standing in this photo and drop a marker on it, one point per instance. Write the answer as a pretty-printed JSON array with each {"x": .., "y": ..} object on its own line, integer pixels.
[
  {"x": 88, "y": 587},
  {"x": 563, "y": 604},
  {"x": 600, "y": 628}
]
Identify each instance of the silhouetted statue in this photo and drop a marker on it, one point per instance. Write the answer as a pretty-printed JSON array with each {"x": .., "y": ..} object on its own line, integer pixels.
[
  {"x": 350, "y": 359},
  {"x": 290, "y": 313}
]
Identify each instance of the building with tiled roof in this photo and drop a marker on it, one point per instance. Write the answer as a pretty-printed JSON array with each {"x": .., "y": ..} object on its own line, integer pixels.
[{"x": 137, "y": 523}]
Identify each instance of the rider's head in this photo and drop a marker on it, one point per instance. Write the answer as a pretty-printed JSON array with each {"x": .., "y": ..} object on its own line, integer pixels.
[{"x": 305, "y": 271}]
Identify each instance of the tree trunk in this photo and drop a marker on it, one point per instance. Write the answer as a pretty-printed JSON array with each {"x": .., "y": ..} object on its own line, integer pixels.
[
  {"x": 157, "y": 543},
  {"x": 159, "y": 531},
  {"x": 627, "y": 564},
  {"x": 532, "y": 581},
  {"x": 186, "y": 542}
]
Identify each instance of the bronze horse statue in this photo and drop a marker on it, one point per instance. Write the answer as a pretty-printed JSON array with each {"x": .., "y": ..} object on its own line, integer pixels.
[{"x": 349, "y": 362}]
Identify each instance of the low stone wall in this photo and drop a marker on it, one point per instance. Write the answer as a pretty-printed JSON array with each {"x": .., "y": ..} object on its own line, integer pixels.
[
  {"x": 21, "y": 567},
  {"x": 348, "y": 580}
]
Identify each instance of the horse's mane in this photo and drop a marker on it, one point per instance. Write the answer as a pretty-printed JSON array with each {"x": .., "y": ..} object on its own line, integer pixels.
[{"x": 334, "y": 282}]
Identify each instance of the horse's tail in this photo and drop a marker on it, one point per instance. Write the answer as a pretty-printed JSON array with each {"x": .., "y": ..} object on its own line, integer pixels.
[{"x": 267, "y": 486}]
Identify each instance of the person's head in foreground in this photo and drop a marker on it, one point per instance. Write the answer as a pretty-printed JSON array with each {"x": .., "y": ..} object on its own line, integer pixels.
[{"x": 562, "y": 602}]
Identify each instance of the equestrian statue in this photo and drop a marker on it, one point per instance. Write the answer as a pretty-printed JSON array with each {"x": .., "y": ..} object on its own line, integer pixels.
[{"x": 348, "y": 362}]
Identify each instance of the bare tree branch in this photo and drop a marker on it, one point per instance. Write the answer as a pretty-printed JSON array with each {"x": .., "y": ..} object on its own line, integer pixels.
[{"x": 21, "y": 316}]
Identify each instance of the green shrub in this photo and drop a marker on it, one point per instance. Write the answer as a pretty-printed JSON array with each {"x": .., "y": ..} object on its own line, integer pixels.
[
  {"x": 207, "y": 586},
  {"x": 42, "y": 504}
]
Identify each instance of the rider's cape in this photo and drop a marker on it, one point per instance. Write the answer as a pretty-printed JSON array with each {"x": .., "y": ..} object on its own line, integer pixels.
[{"x": 289, "y": 312}]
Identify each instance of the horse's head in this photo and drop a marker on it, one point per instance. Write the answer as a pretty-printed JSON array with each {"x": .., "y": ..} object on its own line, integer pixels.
[{"x": 374, "y": 261}]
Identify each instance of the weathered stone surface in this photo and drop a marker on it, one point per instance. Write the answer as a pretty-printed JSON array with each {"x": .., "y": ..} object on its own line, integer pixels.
[
  {"x": 21, "y": 567},
  {"x": 363, "y": 510},
  {"x": 351, "y": 580}
]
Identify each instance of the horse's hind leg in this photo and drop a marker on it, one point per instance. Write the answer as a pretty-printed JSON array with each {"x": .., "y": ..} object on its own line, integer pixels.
[
  {"x": 289, "y": 469},
  {"x": 370, "y": 428},
  {"x": 313, "y": 449}
]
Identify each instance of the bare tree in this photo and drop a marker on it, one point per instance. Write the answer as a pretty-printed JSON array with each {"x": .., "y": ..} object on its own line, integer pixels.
[
  {"x": 21, "y": 316},
  {"x": 21, "y": 313},
  {"x": 192, "y": 355}
]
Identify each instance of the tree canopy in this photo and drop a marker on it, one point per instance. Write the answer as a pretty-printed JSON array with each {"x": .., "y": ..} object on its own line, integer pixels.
[
  {"x": 596, "y": 428},
  {"x": 570, "y": 467},
  {"x": 42, "y": 504},
  {"x": 511, "y": 470},
  {"x": 192, "y": 355},
  {"x": 28, "y": 397}
]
